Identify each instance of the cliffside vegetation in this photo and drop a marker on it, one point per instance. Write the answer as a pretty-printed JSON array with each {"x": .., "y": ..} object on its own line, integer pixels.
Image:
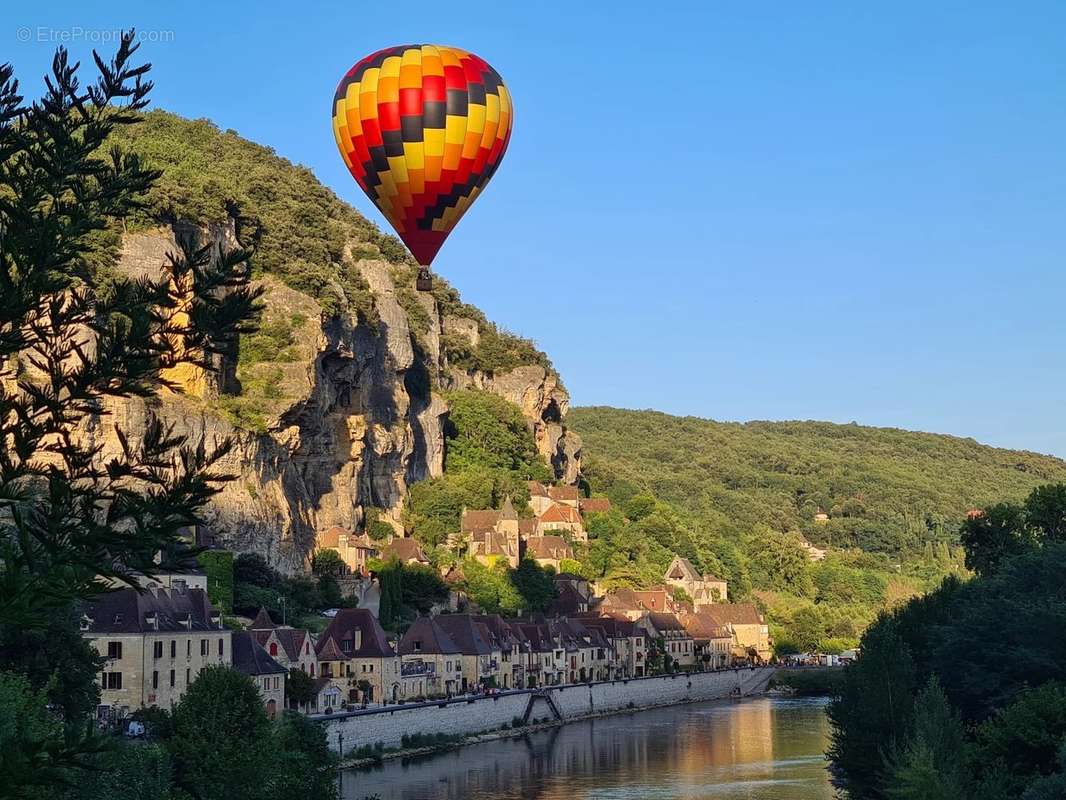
[
  {"x": 302, "y": 233},
  {"x": 740, "y": 499},
  {"x": 962, "y": 693}
]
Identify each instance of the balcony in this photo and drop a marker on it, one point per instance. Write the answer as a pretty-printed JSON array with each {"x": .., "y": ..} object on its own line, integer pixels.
[{"x": 416, "y": 668}]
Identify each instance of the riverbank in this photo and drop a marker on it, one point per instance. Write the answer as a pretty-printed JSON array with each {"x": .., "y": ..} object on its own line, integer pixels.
[
  {"x": 808, "y": 681},
  {"x": 373, "y": 735}
]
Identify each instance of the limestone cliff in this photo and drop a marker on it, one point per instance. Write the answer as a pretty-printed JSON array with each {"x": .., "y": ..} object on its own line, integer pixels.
[{"x": 345, "y": 418}]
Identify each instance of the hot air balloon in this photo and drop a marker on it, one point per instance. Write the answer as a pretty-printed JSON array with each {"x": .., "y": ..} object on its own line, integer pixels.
[{"x": 422, "y": 128}]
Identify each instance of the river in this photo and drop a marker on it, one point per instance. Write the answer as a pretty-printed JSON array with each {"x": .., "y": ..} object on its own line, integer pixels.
[{"x": 756, "y": 749}]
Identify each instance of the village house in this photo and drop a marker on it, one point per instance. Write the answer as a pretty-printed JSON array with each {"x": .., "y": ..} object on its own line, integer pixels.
[
  {"x": 355, "y": 550},
  {"x": 513, "y": 647},
  {"x": 564, "y": 519},
  {"x": 491, "y": 536},
  {"x": 682, "y": 574},
  {"x": 813, "y": 553},
  {"x": 268, "y": 675},
  {"x": 678, "y": 644},
  {"x": 480, "y": 654},
  {"x": 549, "y": 551},
  {"x": 628, "y": 641},
  {"x": 155, "y": 643},
  {"x": 430, "y": 660},
  {"x": 290, "y": 647},
  {"x": 355, "y": 655},
  {"x": 542, "y": 497},
  {"x": 713, "y": 642},
  {"x": 546, "y": 660},
  {"x": 406, "y": 550},
  {"x": 751, "y": 635}
]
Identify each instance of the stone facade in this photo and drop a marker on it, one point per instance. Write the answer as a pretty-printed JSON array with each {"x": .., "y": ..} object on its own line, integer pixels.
[{"x": 476, "y": 714}]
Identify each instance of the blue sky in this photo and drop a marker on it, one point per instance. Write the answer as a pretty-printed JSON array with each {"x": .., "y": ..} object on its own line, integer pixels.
[{"x": 736, "y": 211}]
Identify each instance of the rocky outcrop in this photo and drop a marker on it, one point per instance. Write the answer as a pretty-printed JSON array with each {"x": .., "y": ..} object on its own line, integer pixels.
[{"x": 351, "y": 416}]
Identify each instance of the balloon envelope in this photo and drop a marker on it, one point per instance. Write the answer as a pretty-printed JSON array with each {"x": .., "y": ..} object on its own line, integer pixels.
[{"x": 422, "y": 128}]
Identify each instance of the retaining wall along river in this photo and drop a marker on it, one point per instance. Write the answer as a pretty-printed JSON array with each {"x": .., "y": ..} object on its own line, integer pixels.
[{"x": 469, "y": 715}]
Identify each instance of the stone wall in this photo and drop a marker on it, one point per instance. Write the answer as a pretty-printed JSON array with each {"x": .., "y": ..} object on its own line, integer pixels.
[{"x": 476, "y": 715}]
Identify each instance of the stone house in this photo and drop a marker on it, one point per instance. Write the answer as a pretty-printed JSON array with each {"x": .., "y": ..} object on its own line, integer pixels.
[
  {"x": 701, "y": 588},
  {"x": 713, "y": 641},
  {"x": 480, "y": 653},
  {"x": 355, "y": 550},
  {"x": 429, "y": 656},
  {"x": 155, "y": 643},
  {"x": 542, "y": 497},
  {"x": 491, "y": 536},
  {"x": 751, "y": 635},
  {"x": 549, "y": 551},
  {"x": 268, "y": 675},
  {"x": 290, "y": 647},
  {"x": 628, "y": 641},
  {"x": 406, "y": 550},
  {"x": 546, "y": 659},
  {"x": 513, "y": 650},
  {"x": 562, "y": 518},
  {"x": 677, "y": 642},
  {"x": 355, "y": 655}
]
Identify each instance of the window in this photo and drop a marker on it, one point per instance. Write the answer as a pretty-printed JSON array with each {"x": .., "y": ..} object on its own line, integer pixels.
[
  {"x": 188, "y": 648},
  {"x": 173, "y": 648},
  {"x": 312, "y": 670},
  {"x": 203, "y": 647},
  {"x": 277, "y": 683},
  {"x": 188, "y": 676},
  {"x": 346, "y": 645},
  {"x": 273, "y": 649},
  {"x": 371, "y": 668},
  {"x": 418, "y": 646},
  {"x": 112, "y": 680},
  {"x": 114, "y": 650},
  {"x": 157, "y": 649},
  {"x": 220, "y": 648},
  {"x": 172, "y": 679},
  {"x": 155, "y": 679}
]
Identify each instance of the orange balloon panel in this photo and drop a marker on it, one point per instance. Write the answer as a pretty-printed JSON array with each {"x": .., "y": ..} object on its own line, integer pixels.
[{"x": 422, "y": 128}]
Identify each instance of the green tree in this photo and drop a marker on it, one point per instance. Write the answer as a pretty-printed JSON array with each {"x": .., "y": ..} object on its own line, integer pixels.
[
  {"x": 32, "y": 756},
  {"x": 536, "y": 585},
  {"x": 1045, "y": 511},
  {"x": 491, "y": 588},
  {"x": 1024, "y": 738},
  {"x": 221, "y": 743},
  {"x": 994, "y": 536},
  {"x": 299, "y": 688},
  {"x": 932, "y": 765},
  {"x": 484, "y": 430},
  {"x": 74, "y": 334},
  {"x": 327, "y": 562},
  {"x": 304, "y": 765},
  {"x": 779, "y": 562}
]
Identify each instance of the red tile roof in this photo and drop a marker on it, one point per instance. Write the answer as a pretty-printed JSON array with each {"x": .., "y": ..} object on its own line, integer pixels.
[
  {"x": 595, "y": 505},
  {"x": 557, "y": 512}
]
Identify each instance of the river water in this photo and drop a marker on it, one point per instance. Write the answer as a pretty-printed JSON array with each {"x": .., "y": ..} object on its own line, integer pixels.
[{"x": 756, "y": 749}]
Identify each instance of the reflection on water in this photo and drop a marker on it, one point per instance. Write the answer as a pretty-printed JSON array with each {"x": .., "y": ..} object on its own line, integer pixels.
[{"x": 757, "y": 749}]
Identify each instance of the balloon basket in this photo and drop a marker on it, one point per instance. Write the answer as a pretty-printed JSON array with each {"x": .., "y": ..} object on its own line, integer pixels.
[{"x": 424, "y": 281}]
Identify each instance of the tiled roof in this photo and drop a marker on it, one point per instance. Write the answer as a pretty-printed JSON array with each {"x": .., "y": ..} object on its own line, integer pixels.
[
  {"x": 432, "y": 639},
  {"x": 262, "y": 621},
  {"x": 372, "y": 644},
  {"x": 548, "y": 547},
  {"x": 665, "y": 622},
  {"x": 563, "y": 493},
  {"x": 557, "y": 512},
  {"x": 250, "y": 658},
  {"x": 733, "y": 613},
  {"x": 480, "y": 521},
  {"x": 131, "y": 611},
  {"x": 405, "y": 549},
  {"x": 595, "y": 505},
  {"x": 331, "y": 538},
  {"x": 658, "y": 600},
  {"x": 470, "y": 637},
  {"x": 537, "y": 489},
  {"x": 703, "y": 626}
]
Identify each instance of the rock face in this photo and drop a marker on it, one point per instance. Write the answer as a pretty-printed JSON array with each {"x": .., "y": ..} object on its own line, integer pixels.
[{"x": 354, "y": 415}]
